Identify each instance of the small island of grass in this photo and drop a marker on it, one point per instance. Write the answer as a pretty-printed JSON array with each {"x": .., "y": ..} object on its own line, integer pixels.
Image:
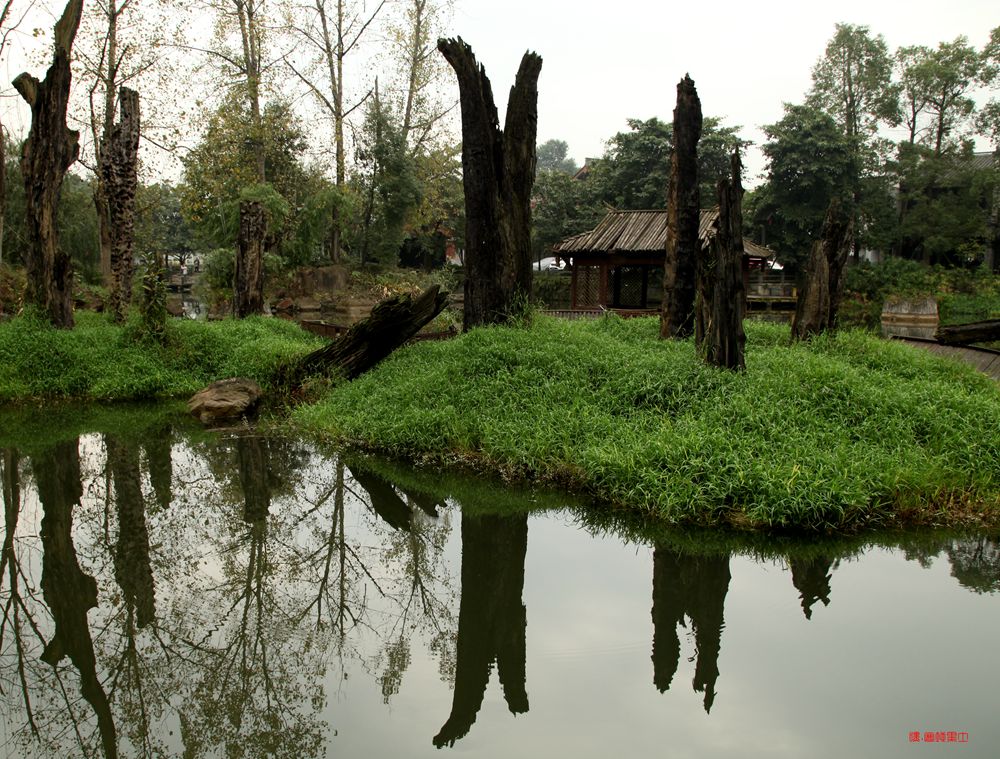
[{"x": 843, "y": 432}]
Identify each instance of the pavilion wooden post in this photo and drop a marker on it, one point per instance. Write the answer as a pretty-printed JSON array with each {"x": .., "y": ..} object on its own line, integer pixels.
[
  {"x": 49, "y": 151},
  {"x": 721, "y": 295},
  {"x": 822, "y": 282},
  {"x": 683, "y": 209},
  {"x": 498, "y": 172}
]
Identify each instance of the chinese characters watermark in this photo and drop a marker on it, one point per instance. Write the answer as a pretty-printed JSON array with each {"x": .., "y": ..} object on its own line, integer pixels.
[{"x": 939, "y": 736}]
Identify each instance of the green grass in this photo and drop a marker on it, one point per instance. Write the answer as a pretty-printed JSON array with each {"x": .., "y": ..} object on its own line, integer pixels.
[
  {"x": 101, "y": 361},
  {"x": 844, "y": 432}
]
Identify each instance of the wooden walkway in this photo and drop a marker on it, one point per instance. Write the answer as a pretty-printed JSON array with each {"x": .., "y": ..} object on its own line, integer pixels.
[{"x": 985, "y": 360}]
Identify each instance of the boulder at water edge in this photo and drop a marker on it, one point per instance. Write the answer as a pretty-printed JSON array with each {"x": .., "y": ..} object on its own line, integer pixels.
[{"x": 225, "y": 399}]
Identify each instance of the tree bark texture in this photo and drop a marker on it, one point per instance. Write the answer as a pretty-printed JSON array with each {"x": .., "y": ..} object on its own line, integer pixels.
[
  {"x": 822, "y": 283},
  {"x": 498, "y": 173},
  {"x": 51, "y": 148},
  {"x": 248, "y": 283},
  {"x": 392, "y": 322},
  {"x": 975, "y": 332},
  {"x": 721, "y": 298},
  {"x": 119, "y": 166},
  {"x": 683, "y": 209}
]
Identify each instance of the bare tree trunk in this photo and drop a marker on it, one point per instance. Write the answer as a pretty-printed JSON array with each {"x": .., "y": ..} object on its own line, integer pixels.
[
  {"x": 49, "y": 151},
  {"x": 119, "y": 165},
  {"x": 3, "y": 189},
  {"x": 820, "y": 293},
  {"x": 248, "y": 284},
  {"x": 498, "y": 173},
  {"x": 719, "y": 331},
  {"x": 683, "y": 214}
]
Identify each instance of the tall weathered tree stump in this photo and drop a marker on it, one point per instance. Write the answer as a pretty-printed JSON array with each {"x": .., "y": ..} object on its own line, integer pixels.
[
  {"x": 49, "y": 151},
  {"x": 822, "y": 282},
  {"x": 498, "y": 171},
  {"x": 119, "y": 165},
  {"x": 721, "y": 296},
  {"x": 683, "y": 209},
  {"x": 248, "y": 280}
]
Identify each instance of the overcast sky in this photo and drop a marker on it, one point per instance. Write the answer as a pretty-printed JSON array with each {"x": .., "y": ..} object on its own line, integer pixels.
[{"x": 604, "y": 62}]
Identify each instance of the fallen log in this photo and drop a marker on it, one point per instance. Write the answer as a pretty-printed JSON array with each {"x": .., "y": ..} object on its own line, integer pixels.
[
  {"x": 392, "y": 322},
  {"x": 973, "y": 332}
]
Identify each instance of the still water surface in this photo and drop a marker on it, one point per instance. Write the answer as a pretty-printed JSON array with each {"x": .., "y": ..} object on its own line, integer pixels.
[{"x": 172, "y": 592}]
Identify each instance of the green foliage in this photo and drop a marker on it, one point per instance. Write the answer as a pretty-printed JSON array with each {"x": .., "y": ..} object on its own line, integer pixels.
[
  {"x": 810, "y": 163},
  {"x": 551, "y": 156},
  {"x": 635, "y": 170},
  {"x": 101, "y": 361},
  {"x": 563, "y": 206},
  {"x": 843, "y": 431}
]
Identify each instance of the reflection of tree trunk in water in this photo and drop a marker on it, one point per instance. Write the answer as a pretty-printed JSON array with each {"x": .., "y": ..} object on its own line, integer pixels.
[
  {"x": 491, "y": 620},
  {"x": 384, "y": 500},
  {"x": 158, "y": 447},
  {"x": 132, "y": 570},
  {"x": 8, "y": 563},
  {"x": 696, "y": 587},
  {"x": 253, "y": 462},
  {"x": 811, "y": 577},
  {"x": 67, "y": 590}
]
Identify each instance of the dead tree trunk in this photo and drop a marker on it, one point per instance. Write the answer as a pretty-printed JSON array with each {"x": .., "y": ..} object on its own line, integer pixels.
[
  {"x": 822, "y": 283},
  {"x": 721, "y": 297},
  {"x": 119, "y": 164},
  {"x": 51, "y": 148},
  {"x": 248, "y": 282},
  {"x": 392, "y": 322},
  {"x": 963, "y": 334},
  {"x": 683, "y": 209},
  {"x": 498, "y": 173}
]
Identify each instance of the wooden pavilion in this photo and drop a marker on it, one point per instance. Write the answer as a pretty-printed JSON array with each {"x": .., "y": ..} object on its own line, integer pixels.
[{"x": 619, "y": 263}]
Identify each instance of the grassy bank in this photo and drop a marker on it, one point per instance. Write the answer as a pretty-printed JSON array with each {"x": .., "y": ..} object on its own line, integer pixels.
[
  {"x": 101, "y": 361},
  {"x": 847, "y": 431}
]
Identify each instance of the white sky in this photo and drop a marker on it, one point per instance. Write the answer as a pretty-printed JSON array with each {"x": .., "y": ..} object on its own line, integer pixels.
[{"x": 605, "y": 62}]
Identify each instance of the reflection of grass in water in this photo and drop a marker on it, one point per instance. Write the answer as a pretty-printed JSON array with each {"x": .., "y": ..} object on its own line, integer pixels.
[
  {"x": 35, "y": 428},
  {"x": 844, "y": 431}
]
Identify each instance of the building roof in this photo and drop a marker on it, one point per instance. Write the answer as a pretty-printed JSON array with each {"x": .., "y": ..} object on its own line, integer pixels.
[{"x": 641, "y": 232}]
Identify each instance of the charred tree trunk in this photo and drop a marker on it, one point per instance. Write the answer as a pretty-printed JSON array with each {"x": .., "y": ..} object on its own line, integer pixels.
[
  {"x": 498, "y": 173},
  {"x": 820, "y": 293},
  {"x": 721, "y": 298},
  {"x": 51, "y": 148},
  {"x": 392, "y": 322},
  {"x": 683, "y": 209},
  {"x": 974, "y": 332},
  {"x": 248, "y": 284},
  {"x": 119, "y": 164}
]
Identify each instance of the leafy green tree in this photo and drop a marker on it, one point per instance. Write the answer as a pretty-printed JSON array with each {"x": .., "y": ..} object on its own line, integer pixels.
[
  {"x": 551, "y": 155},
  {"x": 635, "y": 169},
  {"x": 563, "y": 206},
  {"x": 225, "y": 163},
  {"x": 385, "y": 185},
  {"x": 943, "y": 198},
  {"x": 810, "y": 162}
]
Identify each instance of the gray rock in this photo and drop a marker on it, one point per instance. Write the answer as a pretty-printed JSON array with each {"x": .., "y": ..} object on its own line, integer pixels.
[{"x": 225, "y": 399}]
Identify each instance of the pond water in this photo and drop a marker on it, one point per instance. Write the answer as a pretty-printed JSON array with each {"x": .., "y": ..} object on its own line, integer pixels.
[{"x": 173, "y": 592}]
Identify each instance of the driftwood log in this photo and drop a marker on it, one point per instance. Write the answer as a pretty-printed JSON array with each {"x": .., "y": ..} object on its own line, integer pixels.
[
  {"x": 498, "y": 172},
  {"x": 822, "y": 284},
  {"x": 49, "y": 151},
  {"x": 721, "y": 298},
  {"x": 683, "y": 216},
  {"x": 119, "y": 169},
  {"x": 392, "y": 322},
  {"x": 973, "y": 332}
]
